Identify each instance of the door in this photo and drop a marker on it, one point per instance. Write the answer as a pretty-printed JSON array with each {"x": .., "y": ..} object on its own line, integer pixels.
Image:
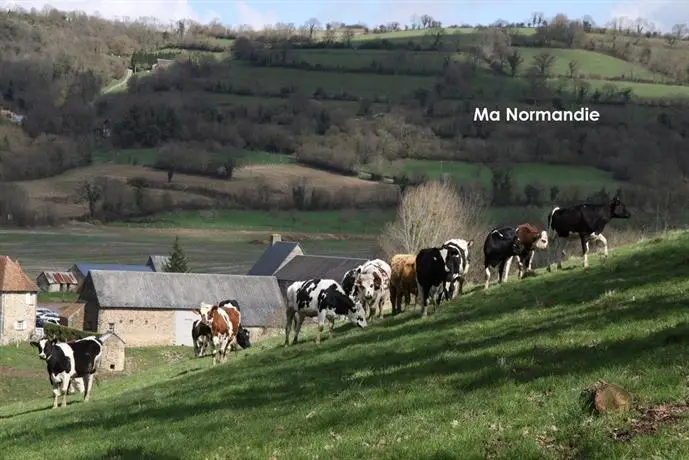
[{"x": 184, "y": 320}]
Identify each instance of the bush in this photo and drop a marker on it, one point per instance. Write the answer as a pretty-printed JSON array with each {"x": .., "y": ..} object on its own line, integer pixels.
[{"x": 64, "y": 333}]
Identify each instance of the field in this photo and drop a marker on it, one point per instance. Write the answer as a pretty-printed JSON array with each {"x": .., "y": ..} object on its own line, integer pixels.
[
  {"x": 209, "y": 250},
  {"x": 496, "y": 374}
]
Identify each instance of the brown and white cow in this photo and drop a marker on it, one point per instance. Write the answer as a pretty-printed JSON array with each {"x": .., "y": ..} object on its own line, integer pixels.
[
  {"x": 224, "y": 324},
  {"x": 503, "y": 244},
  {"x": 402, "y": 280}
]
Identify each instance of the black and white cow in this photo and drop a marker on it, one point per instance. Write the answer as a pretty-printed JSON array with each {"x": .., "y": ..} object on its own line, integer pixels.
[
  {"x": 321, "y": 298},
  {"x": 459, "y": 261},
  {"x": 434, "y": 268},
  {"x": 372, "y": 286},
  {"x": 587, "y": 221},
  {"x": 71, "y": 364},
  {"x": 504, "y": 243}
]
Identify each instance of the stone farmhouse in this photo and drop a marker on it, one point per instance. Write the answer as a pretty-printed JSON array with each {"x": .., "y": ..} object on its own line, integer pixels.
[
  {"x": 152, "y": 308},
  {"x": 18, "y": 297}
]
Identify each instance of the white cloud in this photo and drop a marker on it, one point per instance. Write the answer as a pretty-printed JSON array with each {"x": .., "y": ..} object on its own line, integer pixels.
[
  {"x": 163, "y": 10},
  {"x": 253, "y": 17},
  {"x": 663, "y": 13}
]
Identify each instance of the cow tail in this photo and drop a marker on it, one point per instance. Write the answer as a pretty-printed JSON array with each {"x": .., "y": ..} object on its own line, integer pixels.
[{"x": 550, "y": 217}]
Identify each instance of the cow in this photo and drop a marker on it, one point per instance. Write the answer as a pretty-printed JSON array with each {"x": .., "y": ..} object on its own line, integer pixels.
[
  {"x": 459, "y": 262},
  {"x": 402, "y": 280},
  {"x": 321, "y": 298},
  {"x": 224, "y": 324},
  {"x": 201, "y": 336},
  {"x": 372, "y": 286},
  {"x": 434, "y": 268},
  {"x": 348, "y": 280},
  {"x": 504, "y": 243},
  {"x": 587, "y": 221},
  {"x": 71, "y": 365}
]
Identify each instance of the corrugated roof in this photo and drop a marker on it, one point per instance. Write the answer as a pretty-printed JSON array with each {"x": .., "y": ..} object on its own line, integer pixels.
[
  {"x": 157, "y": 263},
  {"x": 60, "y": 277},
  {"x": 305, "y": 267},
  {"x": 13, "y": 278},
  {"x": 273, "y": 257},
  {"x": 259, "y": 296},
  {"x": 84, "y": 269}
]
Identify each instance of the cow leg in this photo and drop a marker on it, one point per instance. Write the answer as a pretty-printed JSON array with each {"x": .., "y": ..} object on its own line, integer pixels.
[
  {"x": 506, "y": 270},
  {"x": 216, "y": 346},
  {"x": 530, "y": 262},
  {"x": 288, "y": 326},
  {"x": 600, "y": 238},
  {"x": 487, "y": 270},
  {"x": 585, "y": 250},
  {"x": 461, "y": 285},
  {"x": 424, "y": 299},
  {"x": 321, "y": 324},
  {"x": 88, "y": 385},
  {"x": 64, "y": 389},
  {"x": 297, "y": 328},
  {"x": 394, "y": 300},
  {"x": 56, "y": 393}
]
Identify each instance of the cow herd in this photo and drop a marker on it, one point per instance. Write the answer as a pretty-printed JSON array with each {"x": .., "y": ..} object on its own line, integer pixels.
[{"x": 435, "y": 274}]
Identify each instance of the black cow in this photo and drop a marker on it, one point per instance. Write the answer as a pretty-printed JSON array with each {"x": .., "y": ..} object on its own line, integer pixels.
[
  {"x": 434, "y": 268},
  {"x": 71, "y": 365},
  {"x": 588, "y": 222},
  {"x": 501, "y": 245}
]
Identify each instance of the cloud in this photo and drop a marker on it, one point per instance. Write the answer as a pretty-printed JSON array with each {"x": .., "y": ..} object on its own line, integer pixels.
[
  {"x": 663, "y": 13},
  {"x": 163, "y": 10},
  {"x": 253, "y": 17}
]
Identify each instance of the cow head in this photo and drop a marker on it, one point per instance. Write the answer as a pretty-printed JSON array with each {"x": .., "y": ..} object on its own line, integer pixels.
[
  {"x": 542, "y": 241},
  {"x": 357, "y": 315},
  {"x": 205, "y": 311},
  {"x": 618, "y": 209},
  {"x": 367, "y": 285},
  {"x": 243, "y": 337},
  {"x": 45, "y": 348},
  {"x": 452, "y": 261}
]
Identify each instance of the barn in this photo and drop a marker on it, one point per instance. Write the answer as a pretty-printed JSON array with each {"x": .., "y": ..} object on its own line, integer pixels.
[
  {"x": 80, "y": 270},
  {"x": 18, "y": 296},
  {"x": 152, "y": 308},
  {"x": 305, "y": 267},
  {"x": 50, "y": 281},
  {"x": 113, "y": 355},
  {"x": 276, "y": 255}
]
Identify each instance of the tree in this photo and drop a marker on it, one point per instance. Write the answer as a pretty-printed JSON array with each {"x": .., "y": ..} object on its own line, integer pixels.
[
  {"x": 178, "y": 262},
  {"x": 90, "y": 192},
  {"x": 543, "y": 62},
  {"x": 514, "y": 60},
  {"x": 312, "y": 25},
  {"x": 429, "y": 215}
]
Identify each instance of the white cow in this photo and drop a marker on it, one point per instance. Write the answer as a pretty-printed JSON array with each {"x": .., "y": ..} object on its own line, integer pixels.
[
  {"x": 372, "y": 286},
  {"x": 458, "y": 261},
  {"x": 324, "y": 299}
]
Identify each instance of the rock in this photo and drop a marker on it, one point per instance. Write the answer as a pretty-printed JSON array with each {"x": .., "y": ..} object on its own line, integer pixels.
[{"x": 603, "y": 397}]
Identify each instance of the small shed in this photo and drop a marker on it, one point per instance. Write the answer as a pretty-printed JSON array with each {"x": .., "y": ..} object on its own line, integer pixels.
[
  {"x": 57, "y": 281},
  {"x": 157, "y": 263},
  {"x": 304, "y": 267},
  {"x": 276, "y": 255},
  {"x": 113, "y": 355},
  {"x": 72, "y": 315}
]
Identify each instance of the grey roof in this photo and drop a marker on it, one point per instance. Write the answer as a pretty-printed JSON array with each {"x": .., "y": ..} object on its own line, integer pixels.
[
  {"x": 305, "y": 267},
  {"x": 273, "y": 257},
  {"x": 259, "y": 296},
  {"x": 83, "y": 269},
  {"x": 157, "y": 263}
]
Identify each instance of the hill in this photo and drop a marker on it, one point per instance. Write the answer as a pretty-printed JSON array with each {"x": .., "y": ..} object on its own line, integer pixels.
[{"x": 495, "y": 374}]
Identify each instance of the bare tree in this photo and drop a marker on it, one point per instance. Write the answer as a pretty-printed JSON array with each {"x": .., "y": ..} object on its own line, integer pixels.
[
  {"x": 89, "y": 192},
  {"x": 312, "y": 25},
  {"x": 430, "y": 214}
]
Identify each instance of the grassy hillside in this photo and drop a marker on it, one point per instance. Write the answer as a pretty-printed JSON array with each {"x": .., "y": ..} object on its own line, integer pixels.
[{"x": 497, "y": 375}]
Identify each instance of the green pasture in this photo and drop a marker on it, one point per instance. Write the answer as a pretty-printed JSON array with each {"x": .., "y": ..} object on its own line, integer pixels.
[{"x": 493, "y": 374}]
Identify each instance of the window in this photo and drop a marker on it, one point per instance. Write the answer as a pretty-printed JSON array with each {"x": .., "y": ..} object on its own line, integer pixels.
[
  {"x": 111, "y": 327},
  {"x": 20, "y": 325}
]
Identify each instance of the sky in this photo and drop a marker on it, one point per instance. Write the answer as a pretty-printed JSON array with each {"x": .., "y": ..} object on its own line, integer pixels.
[{"x": 257, "y": 13}]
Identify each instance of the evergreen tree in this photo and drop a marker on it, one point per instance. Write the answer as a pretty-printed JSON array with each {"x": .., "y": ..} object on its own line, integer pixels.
[{"x": 178, "y": 262}]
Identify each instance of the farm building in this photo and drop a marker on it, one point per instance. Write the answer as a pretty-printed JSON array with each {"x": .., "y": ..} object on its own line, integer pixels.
[
  {"x": 72, "y": 315},
  {"x": 57, "y": 281},
  {"x": 148, "y": 309},
  {"x": 305, "y": 267},
  {"x": 157, "y": 263},
  {"x": 276, "y": 255},
  {"x": 80, "y": 270},
  {"x": 18, "y": 296},
  {"x": 113, "y": 356}
]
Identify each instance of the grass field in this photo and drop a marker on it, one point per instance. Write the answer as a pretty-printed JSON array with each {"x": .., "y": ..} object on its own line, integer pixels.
[
  {"x": 585, "y": 177},
  {"x": 492, "y": 375}
]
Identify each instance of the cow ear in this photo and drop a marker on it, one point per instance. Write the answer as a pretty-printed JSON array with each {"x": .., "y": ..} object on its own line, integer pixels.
[
  {"x": 196, "y": 311},
  {"x": 470, "y": 243},
  {"x": 34, "y": 344}
]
